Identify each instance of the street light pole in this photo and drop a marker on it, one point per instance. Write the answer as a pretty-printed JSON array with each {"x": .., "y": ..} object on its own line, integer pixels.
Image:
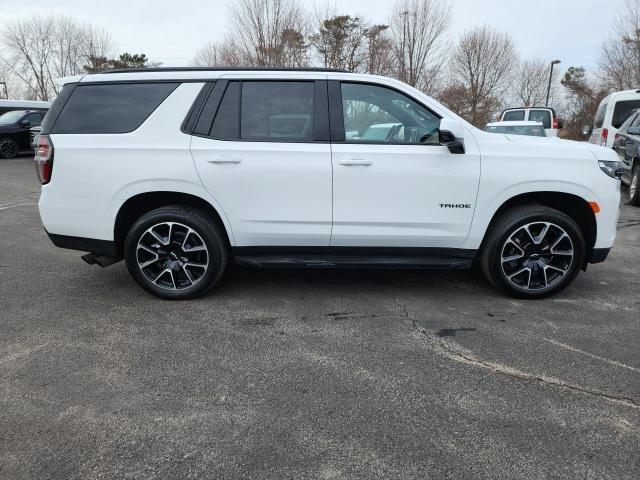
[{"x": 555, "y": 62}]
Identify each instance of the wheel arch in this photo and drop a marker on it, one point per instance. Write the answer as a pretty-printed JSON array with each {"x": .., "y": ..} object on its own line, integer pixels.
[
  {"x": 572, "y": 205},
  {"x": 137, "y": 205}
]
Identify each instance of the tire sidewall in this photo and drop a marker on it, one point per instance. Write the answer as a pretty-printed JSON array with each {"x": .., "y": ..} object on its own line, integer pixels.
[
  {"x": 635, "y": 173},
  {"x": 14, "y": 143},
  {"x": 210, "y": 235},
  {"x": 558, "y": 218}
]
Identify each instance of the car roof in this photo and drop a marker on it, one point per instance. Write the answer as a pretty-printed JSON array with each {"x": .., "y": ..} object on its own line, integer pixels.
[
  {"x": 514, "y": 123},
  {"x": 25, "y": 104}
]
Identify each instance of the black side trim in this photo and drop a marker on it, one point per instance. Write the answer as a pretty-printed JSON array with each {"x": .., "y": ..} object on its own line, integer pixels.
[
  {"x": 190, "y": 120},
  {"x": 321, "y": 123},
  {"x": 205, "y": 119},
  {"x": 599, "y": 255},
  {"x": 356, "y": 251},
  {"x": 336, "y": 118},
  {"x": 102, "y": 247}
]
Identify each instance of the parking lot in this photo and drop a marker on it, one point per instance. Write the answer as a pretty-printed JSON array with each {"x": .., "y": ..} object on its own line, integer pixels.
[{"x": 310, "y": 373}]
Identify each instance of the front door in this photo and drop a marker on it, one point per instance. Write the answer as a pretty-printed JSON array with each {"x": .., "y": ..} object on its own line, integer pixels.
[
  {"x": 266, "y": 159},
  {"x": 394, "y": 185}
]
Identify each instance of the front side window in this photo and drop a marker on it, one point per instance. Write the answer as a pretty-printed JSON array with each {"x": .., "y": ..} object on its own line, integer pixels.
[
  {"x": 542, "y": 116},
  {"x": 513, "y": 116},
  {"x": 375, "y": 114},
  {"x": 111, "y": 108},
  {"x": 11, "y": 117},
  {"x": 33, "y": 119}
]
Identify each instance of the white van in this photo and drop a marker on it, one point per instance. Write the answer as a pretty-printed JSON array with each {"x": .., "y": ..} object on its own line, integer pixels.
[
  {"x": 545, "y": 115},
  {"x": 614, "y": 109}
]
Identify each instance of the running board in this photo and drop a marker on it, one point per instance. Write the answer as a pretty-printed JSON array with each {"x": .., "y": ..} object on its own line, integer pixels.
[{"x": 353, "y": 261}]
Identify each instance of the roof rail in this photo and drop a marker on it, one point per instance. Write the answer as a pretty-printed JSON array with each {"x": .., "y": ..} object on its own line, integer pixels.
[{"x": 214, "y": 69}]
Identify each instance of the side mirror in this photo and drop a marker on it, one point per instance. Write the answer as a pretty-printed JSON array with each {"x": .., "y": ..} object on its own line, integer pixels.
[
  {"x": 633, "y": 130},
  {"x": 25, "y": 124},
  {"x": 451, "y": 135},
  {"x": 587, "y": 129},
  {"x": 560, "y": 123}
]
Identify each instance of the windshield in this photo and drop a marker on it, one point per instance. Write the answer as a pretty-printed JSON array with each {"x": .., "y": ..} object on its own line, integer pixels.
[
  {"x": 531, "y": 130},
  {"x": 11, "y": 118}
]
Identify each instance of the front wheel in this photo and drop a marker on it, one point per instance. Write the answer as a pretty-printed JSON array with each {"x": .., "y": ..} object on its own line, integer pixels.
[
  {"x": 175, "y": 252},
  {"x": 532, "y": 252}
]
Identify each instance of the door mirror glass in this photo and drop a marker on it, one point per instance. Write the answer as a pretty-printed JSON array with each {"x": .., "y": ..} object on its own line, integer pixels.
[{"x": 587, "y": 129}]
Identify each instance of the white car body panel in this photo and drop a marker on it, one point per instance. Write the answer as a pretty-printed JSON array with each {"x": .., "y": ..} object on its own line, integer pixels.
[
  {"x": 299, "y": 194},
  {"x": 610, "y": 101}
]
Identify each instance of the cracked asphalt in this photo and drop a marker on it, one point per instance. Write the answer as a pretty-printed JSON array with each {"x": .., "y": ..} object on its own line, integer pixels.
[{"x": 312, "y": 374}]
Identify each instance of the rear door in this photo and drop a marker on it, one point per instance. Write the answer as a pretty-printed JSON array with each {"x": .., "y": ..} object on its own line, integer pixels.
[
  {"x": 262, "y": 150},
  {"x": 544, "y": 116}
]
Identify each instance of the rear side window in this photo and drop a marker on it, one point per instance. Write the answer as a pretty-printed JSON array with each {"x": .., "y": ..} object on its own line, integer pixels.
[
  {"x": 111, "y": 108},
  {"x": 622, "y": 110},
  {"x": 599, "y": 121},
  {"x": 513, "y": 116},
  {"x": 542, "y": 116}
]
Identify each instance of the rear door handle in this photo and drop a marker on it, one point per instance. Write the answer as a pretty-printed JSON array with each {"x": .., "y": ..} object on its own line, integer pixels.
[
  {"x": 362, "y": 162},
  {"x": 222, "y": 159}
]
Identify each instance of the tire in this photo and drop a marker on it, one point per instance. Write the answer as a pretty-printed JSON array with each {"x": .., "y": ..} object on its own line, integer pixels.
[
  {"x": 9, "y": 148},
  {"x": 545, "y": 245},
  {"x": 175, "y": 252},
  {"x": 634, "y": 186}
]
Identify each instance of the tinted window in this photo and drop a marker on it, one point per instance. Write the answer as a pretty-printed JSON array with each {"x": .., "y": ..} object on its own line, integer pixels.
[
  {"x": 635, "y": 120},
  {"x": 599, "y": 121},
  {"x": 277, "y": 111},
  {"x": 628, "y": 122},
  {"x": 111, "y": 108},
  {"x": 12, "y": 117},
  {"x": 226, "y": 125},
  {"x": 34, "y": 119},
  {"x": 542, "y": 116},
  {"x": 381, "y": 115},
  {"x": 622, "y": 110},
  {"x": 513, "y": 116}
]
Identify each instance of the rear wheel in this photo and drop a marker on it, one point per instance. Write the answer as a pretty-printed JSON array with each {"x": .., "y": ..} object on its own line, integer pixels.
[
  {"x": 533, "y": 252},
  {"x": 175, "y": 252},
  {"x": 634, "y": 186},
  {"x": 8, "y": 148}
]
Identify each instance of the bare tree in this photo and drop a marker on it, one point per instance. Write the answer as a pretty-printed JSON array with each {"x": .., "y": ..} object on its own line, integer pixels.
[
  {"x": 379, "y": 50},
  {"x": 340, "y": 42},
  {"x": 620, "y": 53},
  {"x": 270, "y": 33},
  {"x": 217, "y": 54},
  {"x": 418, "y": 28},
  {"x": 482, "y": 63},
  {"x": 531, "y": 81},
  {"x": 41, "y": 49}
]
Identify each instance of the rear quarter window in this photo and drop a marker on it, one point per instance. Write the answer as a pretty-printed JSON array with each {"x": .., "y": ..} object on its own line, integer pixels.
[
  {"x": 110, "y": 108},
  {"x": 622, "y": 110},
  {"x": 599, "y": 120}
]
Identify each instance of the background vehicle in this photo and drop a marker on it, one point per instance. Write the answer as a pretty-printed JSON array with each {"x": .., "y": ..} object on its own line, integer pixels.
[
  {"x": 534, "y": 129},
  {"x": 545, "y": 115},
  {"x": 10, "y": 105},
  {"x": 613, "y": 110},
  {"x": 627, "y": 145},
  {"x": 246, "y": 165},
  {"x": 15, "y": 135}
]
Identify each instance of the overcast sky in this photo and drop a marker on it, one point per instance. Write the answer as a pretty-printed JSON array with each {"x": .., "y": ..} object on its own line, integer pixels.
[{"x": 170, "y": 31}]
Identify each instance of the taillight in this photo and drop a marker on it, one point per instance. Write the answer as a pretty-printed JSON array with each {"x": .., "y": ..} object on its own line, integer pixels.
[
  {"x": 555, "y": 123},
  {"x": 603, "y": 137},
  {"x": 44, "y": 159}
]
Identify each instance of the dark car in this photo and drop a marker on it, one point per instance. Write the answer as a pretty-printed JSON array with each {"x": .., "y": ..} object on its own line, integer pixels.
[
  {"x": 627, "y": 144},
  {"x": 15, "y": 131}
]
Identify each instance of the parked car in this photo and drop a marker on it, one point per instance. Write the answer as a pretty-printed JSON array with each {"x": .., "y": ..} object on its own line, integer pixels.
[
  {"x": 627, "y": 144},
  {"x": 15, "y": 131},
  {"x": 545, "y": 115},
  {"x": 534, "y": 129},
  {"x": 613, "y": 110},
  {"x": 180, "y": 171},
  {"x": 10, "y": 105}
]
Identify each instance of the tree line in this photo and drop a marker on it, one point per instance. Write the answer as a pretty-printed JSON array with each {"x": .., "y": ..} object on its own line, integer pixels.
[{"x": 476, "y": 73}]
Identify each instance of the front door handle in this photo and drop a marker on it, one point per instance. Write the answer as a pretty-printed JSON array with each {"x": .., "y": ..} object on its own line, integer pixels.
[
  {"x": 222, "y": 159},
  {"x": 362, "y": 162}
]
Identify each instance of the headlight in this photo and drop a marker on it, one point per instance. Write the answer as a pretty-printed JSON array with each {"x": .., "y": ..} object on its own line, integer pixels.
[{"x": 613, "y": 169}]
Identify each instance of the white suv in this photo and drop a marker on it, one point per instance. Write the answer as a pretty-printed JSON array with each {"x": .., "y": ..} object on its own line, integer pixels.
[{"x": 180, "y": 171}]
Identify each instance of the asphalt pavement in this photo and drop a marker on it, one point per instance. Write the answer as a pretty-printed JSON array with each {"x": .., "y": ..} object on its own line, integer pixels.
[{"x": 319, "y": 374}]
